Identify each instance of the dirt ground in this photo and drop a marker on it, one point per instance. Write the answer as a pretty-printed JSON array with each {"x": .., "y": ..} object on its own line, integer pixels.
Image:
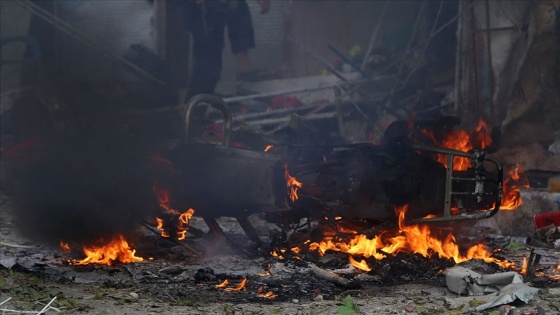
[{"x": 33, "y": 277}]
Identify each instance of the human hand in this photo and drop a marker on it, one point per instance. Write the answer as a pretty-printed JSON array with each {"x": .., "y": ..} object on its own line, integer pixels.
[{"x": 265, "y": 5}]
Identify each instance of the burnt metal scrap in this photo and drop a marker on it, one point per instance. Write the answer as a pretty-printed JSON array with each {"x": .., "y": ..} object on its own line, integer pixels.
[{"x": 353, "y": 181}]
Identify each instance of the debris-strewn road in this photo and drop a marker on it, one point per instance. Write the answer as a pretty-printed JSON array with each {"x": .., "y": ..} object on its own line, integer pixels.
[{"x": 35, "y": 278}]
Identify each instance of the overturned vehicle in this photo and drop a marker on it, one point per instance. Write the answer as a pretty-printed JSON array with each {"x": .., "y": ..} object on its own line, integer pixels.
[{"x": 356, "y": 182}]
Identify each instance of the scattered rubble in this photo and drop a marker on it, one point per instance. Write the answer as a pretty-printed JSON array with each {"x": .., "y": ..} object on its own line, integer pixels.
[{"x": 33, "y": 276}]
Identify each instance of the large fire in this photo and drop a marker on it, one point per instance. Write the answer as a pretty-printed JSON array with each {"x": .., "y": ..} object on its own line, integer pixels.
[
  {"x": 115, "y": 250},
  {"x": 409, "y": 238},
  {"x": 414, "y": 238},
  {"x": 418, "y": 238}
]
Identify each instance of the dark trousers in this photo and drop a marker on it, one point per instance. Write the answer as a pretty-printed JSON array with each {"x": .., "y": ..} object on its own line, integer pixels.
[{"x": 206, "y": 22}]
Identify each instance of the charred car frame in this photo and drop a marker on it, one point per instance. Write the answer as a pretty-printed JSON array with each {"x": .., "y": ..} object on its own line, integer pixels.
[{"x": 354, "y": 181}]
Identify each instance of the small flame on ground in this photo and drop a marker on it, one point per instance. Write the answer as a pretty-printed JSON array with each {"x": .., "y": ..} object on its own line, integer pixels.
[
  {"x": 524, "y": 266},
  {"x": 292, "y": 184},
  {"x": 183, "y": 224},
  {"x": 268, "y": 148},
  {"x": 115, "y": 250},
  {"x": 267, "y": 295},
  {"x": 64, "y": 246},
  {"x": 238, "y": 287},
  {"x": 183, "y": 219},
  {"x": 362, "y": 265},
  {"x": 267, "y": 271},
  {"x": 278, "y": 255},
  {"x": 161, "y": 228},
  {"x": 223, "y": 284}
]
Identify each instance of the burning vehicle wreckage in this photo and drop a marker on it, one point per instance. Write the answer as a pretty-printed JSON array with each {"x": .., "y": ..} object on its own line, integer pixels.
[
  {"x": 341, "y": 186},
  {"x": 369, "y": 201}
]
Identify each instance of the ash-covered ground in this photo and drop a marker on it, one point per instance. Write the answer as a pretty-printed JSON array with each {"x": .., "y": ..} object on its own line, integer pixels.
[{"x": 173, "y": 280}]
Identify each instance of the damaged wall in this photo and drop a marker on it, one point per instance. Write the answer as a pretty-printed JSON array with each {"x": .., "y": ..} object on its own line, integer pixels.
[
  {"x": 535, "y": 99},
  {"x": 523, "y": 79}
]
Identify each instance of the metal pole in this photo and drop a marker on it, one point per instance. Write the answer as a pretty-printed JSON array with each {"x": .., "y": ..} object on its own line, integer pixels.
[
  {"x": 490, "y": 67},
  {"x": 458, "y": 54},
  {"x": 374, "y": 35},
  {"x": 318, "y": 58}
]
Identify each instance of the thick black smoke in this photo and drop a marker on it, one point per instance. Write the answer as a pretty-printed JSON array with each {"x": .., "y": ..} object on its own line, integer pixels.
[{"x": 82, "y": 186}]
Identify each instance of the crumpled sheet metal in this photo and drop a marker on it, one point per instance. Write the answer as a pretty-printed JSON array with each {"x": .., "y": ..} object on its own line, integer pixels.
[
  {"x": 462, "y": 280},
  {"x": 494, "y": 289},
  {"x": 465, "y": 281},
  {"x": 509, "y": 294}
]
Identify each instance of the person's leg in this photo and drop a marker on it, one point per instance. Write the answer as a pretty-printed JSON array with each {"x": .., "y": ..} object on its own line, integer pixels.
[
  {"x": 241, "y": 34},
  {"x": 207, "y": 67},
  {"x": 208, "y": 44},
  {"x": 243, "y": 62}
]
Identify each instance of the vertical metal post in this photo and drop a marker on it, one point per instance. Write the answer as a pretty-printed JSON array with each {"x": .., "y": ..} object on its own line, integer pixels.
[
  {"x": 374, "y": 35},
  {"x": 448, "y": 186},
  {"x": 339, "y": 111},
  {"x": 458, "y": 54},
  {"x": 490, "y": 66}
]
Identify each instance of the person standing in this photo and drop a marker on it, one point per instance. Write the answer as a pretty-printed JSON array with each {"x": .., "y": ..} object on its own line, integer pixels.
[
  {"x": 206, "y": 20},
  {"x": 242, "y": 37}
]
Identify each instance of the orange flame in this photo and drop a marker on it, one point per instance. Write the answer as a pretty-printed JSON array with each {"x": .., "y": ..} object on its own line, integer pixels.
[
  {"x": 64, "y": 246},
  {"x": 115, "y": 250},
  {"x": 480, "y": 139},
  {"x": 362, "y": 265},
  {"x": 279, "y": 256},
  {"x": 524, "y": 266},
  {"x": 162, "y": 195},
  {"x": 511, "y": 194},
  {"x": 183, "y": 219},
  {"x": 183, "y": 224},
  {"x": 267, "y": 295},
  {"x": 413, "y": 238},
  {"x": 268, "y": 148},
  {"x": 238, "y": 287},
  {"x": 223, "y": 284},
  {"x": 292, "y": 184},
  {"x": 266, "y": 273},
  {"x": 462, "y": 140}
]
